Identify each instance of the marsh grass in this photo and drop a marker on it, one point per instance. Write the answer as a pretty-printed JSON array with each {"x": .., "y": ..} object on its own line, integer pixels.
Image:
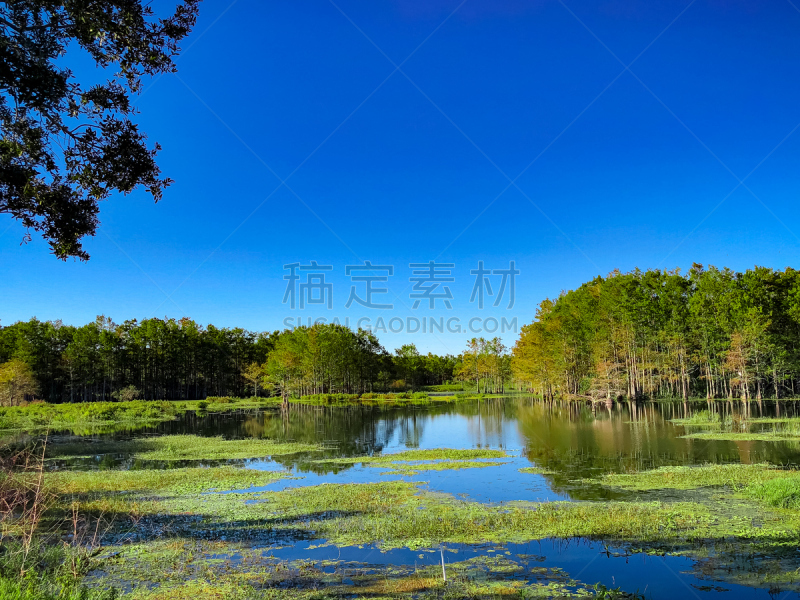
[
  {"x": 781, "y": 493},
  {"x": 159, "y": 481},
  {"x": 536, "y": 471},
  {"x": 419, "y": 455},
  {"x": 776, "y": 435},
  {"x": 407, "y": 469},
  {"x": 182, "y": 570},
  {"x": 83, "y": 417},
  {"x": 702, "y": 418},
  {"x": 739, "y": 427},
  {"x": 44, "y": 551},
  {"x": 412, "y": 462},
  {"x": 692, "y": 477},
  {"x": 51, "y": 578},
  {"x": 183, "y": 447},
  {"x": 396, "y": 514}
]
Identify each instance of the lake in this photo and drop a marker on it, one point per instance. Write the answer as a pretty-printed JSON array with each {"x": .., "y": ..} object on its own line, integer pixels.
[{"x": 569, "y": 442}]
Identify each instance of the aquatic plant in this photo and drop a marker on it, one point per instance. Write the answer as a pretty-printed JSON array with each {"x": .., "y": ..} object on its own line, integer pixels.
[{"x": 183, "y": 447}]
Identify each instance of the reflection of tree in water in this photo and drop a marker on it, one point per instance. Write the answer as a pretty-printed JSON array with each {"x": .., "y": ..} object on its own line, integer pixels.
[
  {"x": 358, "y": 431},
  {"x": 488, "y": 420},
  {"x": 349, "y": 431},
  {"x": 575, "y": 441}
]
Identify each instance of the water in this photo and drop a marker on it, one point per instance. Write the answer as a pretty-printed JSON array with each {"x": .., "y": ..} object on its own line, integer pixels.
[{"x": 572, "y": 441}]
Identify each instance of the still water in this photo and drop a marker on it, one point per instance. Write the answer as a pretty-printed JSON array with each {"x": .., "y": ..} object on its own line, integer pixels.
[{"x": 571, "y": 441}]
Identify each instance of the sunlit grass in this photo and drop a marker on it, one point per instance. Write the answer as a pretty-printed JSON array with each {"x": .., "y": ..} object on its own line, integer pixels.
[
  {"x": 690, "y": 477},
  {"x": 183, "y": 447},
  {"x": 420, "y": 455}
]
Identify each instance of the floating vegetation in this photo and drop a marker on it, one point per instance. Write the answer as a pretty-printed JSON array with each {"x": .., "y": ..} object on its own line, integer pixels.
[
  {"x": 184, "y": 524},
  {"x": 701, "y": 418},
  {"x": 776, "y": 435},
  {"x": 419, "y": 455},
  {"x": 198, "y": 570},
  {"x": 412, "y": 462},
  {"x": 449, "y": 465},
  {"x": 693, "y": 477},
  {"x": 536, "y": 471}
]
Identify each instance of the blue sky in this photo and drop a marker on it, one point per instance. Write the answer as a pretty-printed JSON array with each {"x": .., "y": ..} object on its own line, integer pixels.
[{"x": 411, "y": 131}]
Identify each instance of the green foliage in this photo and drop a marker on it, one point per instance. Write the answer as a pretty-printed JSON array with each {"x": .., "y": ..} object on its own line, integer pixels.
[
  {"x": 66, "y": 146},
  {"x": 701, "y": 417},
  {"x": 104, "y": 360},
  {"x": 126, "y": 394},
  {"x": 656, "y": 333},
  {"x": 16, "y": 382},
  {"x": 184, "y": 447},
  {"x": 692, "y": 477},
  {"x": 783, "y": 493},
  {"x": 85, "y": 415},
  {"x": 52, "y": 576},
  {"x": 33, "y": 587}
]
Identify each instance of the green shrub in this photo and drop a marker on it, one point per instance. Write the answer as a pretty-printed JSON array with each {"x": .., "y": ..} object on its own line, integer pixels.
[{"x": 221, "y": 399}]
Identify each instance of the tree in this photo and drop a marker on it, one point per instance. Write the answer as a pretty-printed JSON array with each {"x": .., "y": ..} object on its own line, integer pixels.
[
  {"x": 408, "y": 363},
  {"x": 16, "y": 382},
  {"x": 64, "y": 147},
  {"x": 254, "y": 373},
  {"x": 126, "y": 394}
]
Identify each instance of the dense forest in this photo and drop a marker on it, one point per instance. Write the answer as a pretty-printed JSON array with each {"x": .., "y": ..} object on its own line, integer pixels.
[
  {"x": 182, "y": 360},
  {"x": 711, "y": 332}
]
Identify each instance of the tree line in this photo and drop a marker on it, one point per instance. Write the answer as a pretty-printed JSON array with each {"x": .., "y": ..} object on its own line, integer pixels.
[
  {"x": 182, "y": 360},
  {"x": 711, "y": 332}
]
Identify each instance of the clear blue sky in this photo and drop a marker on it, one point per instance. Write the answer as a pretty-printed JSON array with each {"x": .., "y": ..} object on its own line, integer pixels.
[{"x": 610, "y": 168}]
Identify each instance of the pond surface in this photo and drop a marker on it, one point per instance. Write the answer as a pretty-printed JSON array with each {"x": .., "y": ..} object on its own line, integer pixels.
[{"x": 569, "y": 441}]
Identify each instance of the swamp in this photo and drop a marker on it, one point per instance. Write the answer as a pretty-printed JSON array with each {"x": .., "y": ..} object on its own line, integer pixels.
[{"x": 493, "y": 497}]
